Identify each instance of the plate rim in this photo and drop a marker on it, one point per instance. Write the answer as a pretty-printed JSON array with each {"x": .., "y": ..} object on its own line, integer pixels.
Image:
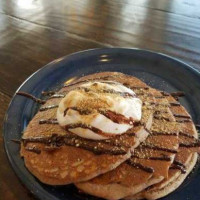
[{"x": 13, "y": 165}]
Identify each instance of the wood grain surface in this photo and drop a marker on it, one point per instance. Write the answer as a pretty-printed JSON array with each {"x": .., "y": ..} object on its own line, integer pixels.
[{"x": 35, "y": 32}]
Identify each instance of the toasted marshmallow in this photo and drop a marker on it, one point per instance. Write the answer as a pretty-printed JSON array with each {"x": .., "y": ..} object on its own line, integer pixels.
[{"x": 87, "y": 105}]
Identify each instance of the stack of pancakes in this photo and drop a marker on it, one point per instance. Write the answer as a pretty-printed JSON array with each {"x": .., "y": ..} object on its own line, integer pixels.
[{"x": 148, "y": 161}]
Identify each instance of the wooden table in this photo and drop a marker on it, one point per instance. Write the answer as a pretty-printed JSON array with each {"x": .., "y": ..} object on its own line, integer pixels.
[{"x": 35, "y": 32}]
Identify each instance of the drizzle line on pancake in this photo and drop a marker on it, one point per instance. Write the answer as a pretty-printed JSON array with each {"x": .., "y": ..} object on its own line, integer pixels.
[
  {"x": 92, "y": 128},
  {"x": 31, "y": 97},
  {"x": 57, "y": 96},
  {"x": 110, "y": 91},
  {"x": 47, "y": 93},
  {"x": 115, "y": 117},
  {"x": 157, "y": 148},
  {"x": 48, "y": 107},
  {"x": 94, "y": 146},
  {"x": 140, "y": 166},
  {"x": 48, "y": 121},
  {"x": 163, "y": 158}
]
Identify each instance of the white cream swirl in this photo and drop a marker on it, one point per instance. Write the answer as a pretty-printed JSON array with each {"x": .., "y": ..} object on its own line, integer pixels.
[{"x": 90, "y": 104}]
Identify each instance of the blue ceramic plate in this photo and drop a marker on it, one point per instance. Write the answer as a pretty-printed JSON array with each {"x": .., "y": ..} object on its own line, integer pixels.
[{"x": 157, "y": 70}]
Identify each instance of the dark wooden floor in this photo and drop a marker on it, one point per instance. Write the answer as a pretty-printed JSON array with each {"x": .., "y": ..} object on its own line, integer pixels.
[{"x": 35, "y": 32}]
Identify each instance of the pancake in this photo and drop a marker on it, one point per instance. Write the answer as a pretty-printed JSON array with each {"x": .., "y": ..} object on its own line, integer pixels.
[
  {"x": 172, "y": 185},
  {"x": 147, "y": 165},
  {"x": 185, "y": 159},
  {"x": 58, "y": 157}
]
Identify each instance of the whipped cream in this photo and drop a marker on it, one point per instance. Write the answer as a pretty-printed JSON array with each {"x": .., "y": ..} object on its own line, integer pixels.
[{"x": 88, "y": 104}]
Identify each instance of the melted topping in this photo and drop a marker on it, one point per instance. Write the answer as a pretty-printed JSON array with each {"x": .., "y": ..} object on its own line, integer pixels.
[
  {"x": 115, "y": 117},
  {"x": 103, "y": 110},
  {"x": 85, "y": 126}
]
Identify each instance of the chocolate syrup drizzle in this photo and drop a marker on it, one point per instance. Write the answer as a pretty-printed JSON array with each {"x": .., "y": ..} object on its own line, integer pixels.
[
  {"x": 81, "y": 111},
  {"x": 48, "y": 93},
  {"x": 16, "y": 141},
  {"x": 174, "y": 104},
  {"x": 48, "y": 121},
  {"x": 31, "y": 97},
  {"x": 157, "y": 148},
  {"x": 178, "y": 165},
  {"x": 158, "y": 104},
  {"x": 51, "y": 148},
  {"x": 190, "y": 145},
  {"x": 183, "y": 120},
  {"x": 154, "y": 133},
  {"x": 33, "y": 149},
  {"x": 48, "y": 107},
  {"x": 159, "y": 97},
  {"x": 164, "y": 93},
  {"x": 85, "y": 126},
  {"x": 197, "y": 125},
  {"x": 176, "y": 162},
  {"x": 57, "y": 96},
  {"x": 183, "y": 171},
  {"x": 111, "y": 82},
  {"x": 186, "y": 118},
  {"x": 177, "y": 94},
  {"x": 163, "y": 158},
  {"x": 187, "y": 135},
  {"x": 115, "y": 117},
  {"x": 56, "y": 141},
  {"x": 140, "y": 166},
  {"x": 138, "y": 87},
  {"x": 182, "y": 116},
  {"x": 160, "y": 112},
  {"x": 174, "y": 94}
]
